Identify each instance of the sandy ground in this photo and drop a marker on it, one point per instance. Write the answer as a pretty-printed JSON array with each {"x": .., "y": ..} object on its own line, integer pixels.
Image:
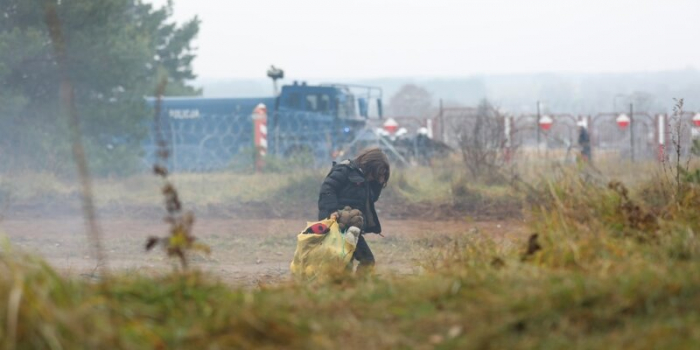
[{"x": 244, "y": 252}]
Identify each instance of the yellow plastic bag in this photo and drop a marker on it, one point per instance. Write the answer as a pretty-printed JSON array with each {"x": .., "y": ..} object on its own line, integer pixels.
[{"x": 322, "y": 254}]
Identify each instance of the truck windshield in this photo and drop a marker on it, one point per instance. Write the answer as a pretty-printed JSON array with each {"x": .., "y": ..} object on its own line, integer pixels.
[
  {"x": 318, "y": 102},
  {"x": 311, "y": 103},
  {"x": 346, "y": 109},
  {"x": 324, "y": 103}
]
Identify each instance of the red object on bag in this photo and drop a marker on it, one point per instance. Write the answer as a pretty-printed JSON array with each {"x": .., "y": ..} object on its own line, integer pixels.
[{"x": 318, "y": 228}]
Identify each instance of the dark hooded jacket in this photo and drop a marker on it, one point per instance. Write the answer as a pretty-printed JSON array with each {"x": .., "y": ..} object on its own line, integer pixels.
[{"x": 345, "y": 185}]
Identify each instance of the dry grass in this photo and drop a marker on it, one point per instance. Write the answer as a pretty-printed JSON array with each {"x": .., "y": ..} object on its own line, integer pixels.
[
  {"x": 199, "y": 190},
  {"x": 410, "y": 191},
  {"x": 604, "y": 276}
]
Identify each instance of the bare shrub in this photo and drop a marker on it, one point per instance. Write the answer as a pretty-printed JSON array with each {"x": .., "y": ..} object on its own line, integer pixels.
[
  {"x": 482, "y": 142},
  {"x": 674, "y": 165}
]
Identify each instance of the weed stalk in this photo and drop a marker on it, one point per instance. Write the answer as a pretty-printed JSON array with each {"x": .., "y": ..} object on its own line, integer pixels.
[
  {"x": 67, "y": 98},
  {"x": 181, "y": 239}
]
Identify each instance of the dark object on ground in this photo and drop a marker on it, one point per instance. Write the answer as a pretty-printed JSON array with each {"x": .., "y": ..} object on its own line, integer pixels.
[{"x": 532, "y": 246}]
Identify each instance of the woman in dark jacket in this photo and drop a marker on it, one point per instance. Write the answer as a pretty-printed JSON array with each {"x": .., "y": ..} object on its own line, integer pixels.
[{"x": 357, "y": 183}]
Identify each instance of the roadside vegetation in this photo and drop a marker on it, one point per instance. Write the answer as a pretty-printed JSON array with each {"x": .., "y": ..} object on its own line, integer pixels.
[{"x": 606, "y": 265}]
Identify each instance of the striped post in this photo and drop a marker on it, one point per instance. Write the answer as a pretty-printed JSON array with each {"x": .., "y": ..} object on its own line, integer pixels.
[{"x": 260, "y": 135}]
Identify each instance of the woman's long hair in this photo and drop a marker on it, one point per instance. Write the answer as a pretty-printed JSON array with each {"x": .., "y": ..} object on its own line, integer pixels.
[{"x": 374, "y": 163}]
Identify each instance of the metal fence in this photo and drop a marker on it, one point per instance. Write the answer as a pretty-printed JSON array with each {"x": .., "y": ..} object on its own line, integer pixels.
[
  {"x": 221, "y": 141},
  {"x": 211, "y": 141},
  {"x": 644, "y": 137}
]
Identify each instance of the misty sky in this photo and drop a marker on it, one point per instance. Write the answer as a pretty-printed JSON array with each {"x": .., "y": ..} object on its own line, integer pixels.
[{"x": 439, "y": 38}]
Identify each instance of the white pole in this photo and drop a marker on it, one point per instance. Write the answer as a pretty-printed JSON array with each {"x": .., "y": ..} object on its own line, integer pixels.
[
  {"x": 507, "y": 130},
  {"x": 662, "y": 136}
]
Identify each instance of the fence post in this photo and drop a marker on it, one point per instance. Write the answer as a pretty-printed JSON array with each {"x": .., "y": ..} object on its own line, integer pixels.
[
  {"x": 507, "y": 129},
  {"x": 443, "y": 136},
  {"x": 632, "y": 125},
  {"x": 260, "y": 135},
  {"x": 537, "y": 126},
  {"x": 661, "y": 135}
]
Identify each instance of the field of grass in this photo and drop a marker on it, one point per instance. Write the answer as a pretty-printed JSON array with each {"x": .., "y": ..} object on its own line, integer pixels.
[
  {"x": 609, "y": 265},
  {"x": 446, "y": 185},
  {"x": 411, "y": 192}
]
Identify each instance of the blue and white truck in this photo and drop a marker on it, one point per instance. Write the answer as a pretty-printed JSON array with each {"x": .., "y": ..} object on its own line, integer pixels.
[{"x": 207, "y": 134}]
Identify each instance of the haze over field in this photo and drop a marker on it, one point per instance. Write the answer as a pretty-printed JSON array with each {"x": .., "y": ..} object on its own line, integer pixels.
[
  {"x": 574, "y": 55},
  {"x": 518, "y": 93}
]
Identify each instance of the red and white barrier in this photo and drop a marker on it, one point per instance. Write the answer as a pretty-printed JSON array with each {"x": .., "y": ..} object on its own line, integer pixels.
[{"x": 260, "y": 135}]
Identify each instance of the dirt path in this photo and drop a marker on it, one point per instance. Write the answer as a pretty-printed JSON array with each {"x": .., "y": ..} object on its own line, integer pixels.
[{"x": 244, "y": 251}]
